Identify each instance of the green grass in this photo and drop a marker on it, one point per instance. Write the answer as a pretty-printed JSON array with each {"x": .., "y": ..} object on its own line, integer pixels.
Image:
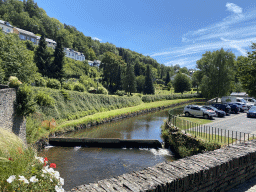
[
  {"x": 15, "y": 158},
  {"x": 222, "y": 140},
  {"x": 182, "y": 122},
  {"x": 117, "y": 112}
]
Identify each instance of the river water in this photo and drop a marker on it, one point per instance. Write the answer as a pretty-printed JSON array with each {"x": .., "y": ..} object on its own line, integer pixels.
[{"x": 81, "y": 165}]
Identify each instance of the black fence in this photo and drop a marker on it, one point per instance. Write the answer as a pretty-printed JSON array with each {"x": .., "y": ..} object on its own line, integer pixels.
[{"x": 209, "y": 133}]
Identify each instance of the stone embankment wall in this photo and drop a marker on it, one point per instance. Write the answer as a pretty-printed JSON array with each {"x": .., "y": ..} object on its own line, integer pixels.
[
  {"x": 218, "y": 170},
  {"x": 8, "y": 119}
]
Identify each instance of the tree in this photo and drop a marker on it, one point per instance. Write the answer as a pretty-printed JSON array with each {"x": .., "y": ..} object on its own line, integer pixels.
[
  {"x": 181, "y": 83},
  {"x": 130, "y": 80},
  {"x": 140, "y": 82},
  {"x": 16, "y": 59},
  {"x": 217, "y": 66},
  {"x": 247, "y": 71},
  {"x": 58, "y": 63},
  {"x": 167, "y": 79},
  {"x": 196, "y": 79},
  {"x": 110, "y": 65},
  {"x": 42, "y": 57},
  {"x": 148, "y": 86}
]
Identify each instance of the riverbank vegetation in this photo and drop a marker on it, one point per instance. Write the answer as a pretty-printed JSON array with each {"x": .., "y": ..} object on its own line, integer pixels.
[{"x": 22, "y": 170}]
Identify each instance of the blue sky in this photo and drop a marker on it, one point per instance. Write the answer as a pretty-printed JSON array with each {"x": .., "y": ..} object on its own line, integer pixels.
[{"x": 172, "y": 32}]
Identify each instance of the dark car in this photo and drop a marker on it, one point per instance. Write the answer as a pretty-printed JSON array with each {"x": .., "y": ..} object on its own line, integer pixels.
[
  {"x": 234, "y": 108},
  {"x": 251, "y": 112},
  {"x": 222, "y": 107},
  {"x": 217, "y": 111}
]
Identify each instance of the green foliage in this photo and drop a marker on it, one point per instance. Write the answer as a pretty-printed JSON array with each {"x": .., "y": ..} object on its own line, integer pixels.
[
  {"x": 58, "y": 63},
  {"x": 153, "y": 98},
  {"x": 247, "y": 71},
  {"x": 110, "y": 65},
  {"x": 80, "y": 103},
  {"x": 88, "y": 82},
  {"x": 217, "y": 72},
  {"x": 15, "y": 59},
  {"x": 148, "y": 85},
  {"x": 40, "y": 82},
  {"x": 102, "y": 90},
  {"x": 181, "y": 83},
  {"x": 79, "y": 87},
  {"x": 67, "y": 85},
  {"x": 14, "y": 82},
  {"x": 73, "y": 68},
  {"x": 65, "y": 94},
  {"x": 167, "y": 79},
  {"x": 25, "y": 103},
  {"x": 120, "y": 93},
  {"x": 129, "y": 80},
  {"x": 140, "y": 81},
  {"x": 53, "y": 83},
  {"x": 43, "y": 99},
  {"x": 43, "y": 58}
]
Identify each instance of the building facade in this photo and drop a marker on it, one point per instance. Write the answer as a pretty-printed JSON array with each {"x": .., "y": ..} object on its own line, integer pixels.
[
  {"x": 6, "y": 27},
  {"x": 74, "y": 54}
]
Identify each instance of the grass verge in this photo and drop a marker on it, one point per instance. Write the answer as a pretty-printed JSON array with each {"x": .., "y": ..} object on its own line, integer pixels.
[{"x": 124, "y": 111}]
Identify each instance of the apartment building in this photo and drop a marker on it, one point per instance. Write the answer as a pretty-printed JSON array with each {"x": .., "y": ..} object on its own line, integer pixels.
[
  {"x": 6, "y": 27},
  {"x": 74, "y": 54}
]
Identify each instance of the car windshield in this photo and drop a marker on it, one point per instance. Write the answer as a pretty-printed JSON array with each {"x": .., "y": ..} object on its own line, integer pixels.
[
  {"x": 213, "y": 108},
  {"x": 252, "y": 109}
]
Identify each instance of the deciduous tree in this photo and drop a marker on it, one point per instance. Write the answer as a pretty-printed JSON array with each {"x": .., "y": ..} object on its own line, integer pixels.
[{"x": 181, "y": 83}]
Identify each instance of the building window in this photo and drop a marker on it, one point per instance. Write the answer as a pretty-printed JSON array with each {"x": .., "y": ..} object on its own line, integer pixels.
[
  {"x": 22, "y": 37},
  {"x": 9, "y": 30}
]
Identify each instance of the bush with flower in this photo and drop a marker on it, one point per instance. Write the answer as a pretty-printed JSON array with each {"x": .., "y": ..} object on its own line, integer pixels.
[{"x": 38, "y": 177}]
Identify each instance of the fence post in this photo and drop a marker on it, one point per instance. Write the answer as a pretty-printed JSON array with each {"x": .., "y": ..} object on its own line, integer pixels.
[
  {"x": 225, "y": 136},
  {"x": 212, "y": 133},
  {"x": 236, "y": 137},
  {"x": 232, "y": 137},
  {"x": 221, "y": 135},
  {"x": 228, "y": 137},
  {"x": 218, "y": 134},
  {"x": 240, "y": 138},
  {"x": 244, "y": 137}
]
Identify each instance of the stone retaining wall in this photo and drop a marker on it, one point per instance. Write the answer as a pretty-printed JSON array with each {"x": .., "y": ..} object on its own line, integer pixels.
[
  {"x": 218, "y": 170},
  {"x": 8, "y": 119}
]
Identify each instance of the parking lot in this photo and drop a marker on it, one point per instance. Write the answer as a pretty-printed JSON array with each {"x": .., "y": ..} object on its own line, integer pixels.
[{"x": 235, "y": 122}]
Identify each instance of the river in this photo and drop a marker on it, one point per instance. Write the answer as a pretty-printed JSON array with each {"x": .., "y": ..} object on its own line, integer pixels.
[{"x": 80, "y": 165}]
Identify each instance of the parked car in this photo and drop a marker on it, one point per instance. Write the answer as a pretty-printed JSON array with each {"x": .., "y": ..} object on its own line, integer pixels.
[
  {"x": 251, "y": 112},
  {"x": 199, "y": 111},
  {"x": 234, "y": 108},
  {"x": 242, "y": 106},
  {"x": 217, "y": 111},
  {"x": 222, "y": 107}
]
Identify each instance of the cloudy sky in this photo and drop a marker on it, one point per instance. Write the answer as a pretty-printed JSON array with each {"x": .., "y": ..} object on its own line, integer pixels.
[{"x": 172, "y": 32}]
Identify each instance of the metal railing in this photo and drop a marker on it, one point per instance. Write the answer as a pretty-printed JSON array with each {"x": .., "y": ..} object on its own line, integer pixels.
[{"x": 209, "y": 133}]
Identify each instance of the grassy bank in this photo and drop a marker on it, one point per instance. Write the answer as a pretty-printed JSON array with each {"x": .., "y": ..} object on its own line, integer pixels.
[
  {"x": 61, "y": 110},
  {"x": 21, "y": 170},
  {"x": 125, "y": 111}
]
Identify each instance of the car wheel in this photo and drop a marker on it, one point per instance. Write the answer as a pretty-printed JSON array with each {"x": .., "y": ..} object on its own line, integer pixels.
[
  {"x": 248, "y": 116},
  {"x": 187, "y": 114},
  {"x": 206, "y": 116}
]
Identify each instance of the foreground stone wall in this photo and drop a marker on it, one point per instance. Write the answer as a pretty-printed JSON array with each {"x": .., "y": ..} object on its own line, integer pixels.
[
  {"x": 8, "y": 119},
  {"x": 218, "y": 170}
]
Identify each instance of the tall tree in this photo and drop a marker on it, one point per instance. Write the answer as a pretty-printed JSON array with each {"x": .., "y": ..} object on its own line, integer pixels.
[
  {"x": 110, "y": 65},
  {"x": 148, "y": 86},
  {"x": 42, "y": 57},
  {"x": 247, "y": 71},
  {"x": 58, "y": 63},
  {"x": 167, "y": 79},
  {"x": 130, "y": 80},
  {"x": 181, "y": 83},
  {"x": 217, "y": 67}
]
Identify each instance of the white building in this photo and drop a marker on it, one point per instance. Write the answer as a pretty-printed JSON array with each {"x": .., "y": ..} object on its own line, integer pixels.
[
  {"x": 25, "y": 35},
  {"x": 6, "y": 27},
  {"x": 74, "y": 54},
  {"x": 50, "y": 42}
]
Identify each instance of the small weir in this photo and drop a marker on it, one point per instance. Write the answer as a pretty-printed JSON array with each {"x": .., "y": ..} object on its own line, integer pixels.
[{"x": 106, "y": 142}]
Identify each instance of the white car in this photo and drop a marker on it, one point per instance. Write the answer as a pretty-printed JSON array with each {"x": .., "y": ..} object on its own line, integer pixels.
[{"x": 199, "y": 111}]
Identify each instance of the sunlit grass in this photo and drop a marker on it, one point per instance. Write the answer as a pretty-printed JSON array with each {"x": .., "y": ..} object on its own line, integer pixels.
[
  {"x": 15, "y": 158},
  {"x": 123, "y": 111}
]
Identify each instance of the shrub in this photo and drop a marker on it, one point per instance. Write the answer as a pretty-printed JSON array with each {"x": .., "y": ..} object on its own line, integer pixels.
[
  {"x": 53, "y": 83},
  {"x": 120, "y": 93},
  {"x": 14, "y": 82},
  {"x": 79, "y": 87},
  {"x": 25, "y": 103},
  {"x": 67, "y": 85},
  {"x": 102, "y": 90},
  {"x": 43, "y": 99},
  {"x": 65, "y": 94},
  {"x": 40, "y": 82}
]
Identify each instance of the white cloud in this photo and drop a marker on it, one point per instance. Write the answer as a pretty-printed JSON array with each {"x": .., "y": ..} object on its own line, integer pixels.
[
  {"x": 235, "y": 32},
  {"x": 95, "y": 38},
  {"x": 234, "y": 8}
]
